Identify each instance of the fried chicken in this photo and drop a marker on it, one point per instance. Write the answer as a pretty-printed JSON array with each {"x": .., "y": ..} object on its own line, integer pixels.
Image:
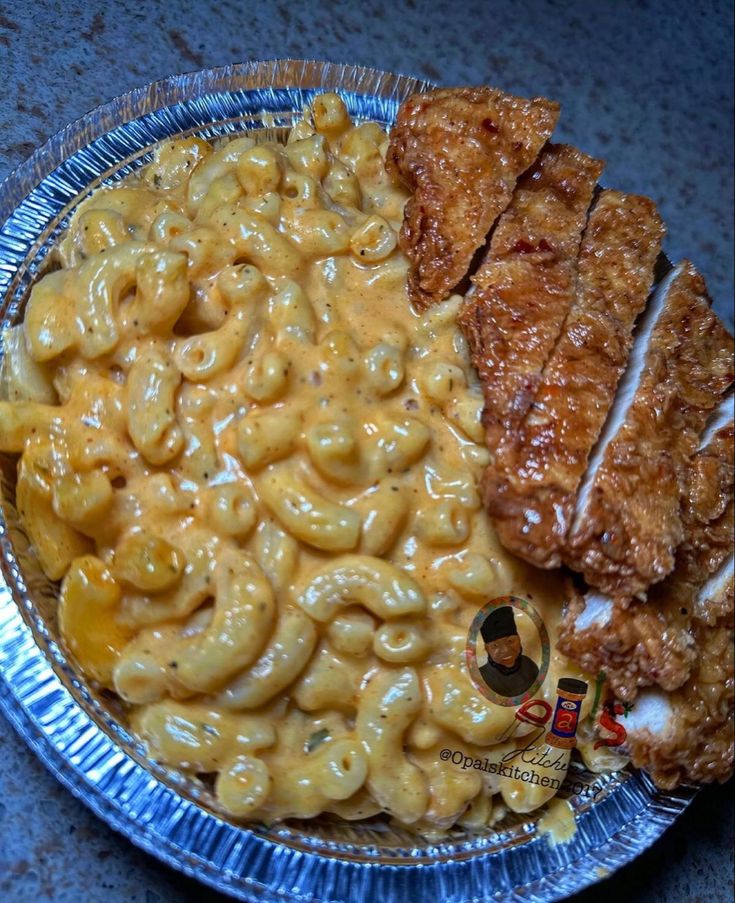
[
  {"x": 679, "y": 641},
  {"x": 525, "y": 285},
  {"x": 641, "y": 644},
  {"x": 460, "y": 150},
  {"x": 636, "y": 647},
  {"x": 596, "y": 410},
  {"x": 682, "y": 730},
  {"x": 531, "y": 486},
  {"x": 709, "y": 514},
  {"x": 696, "y": 741},
  {"x": 627, "y": 523}
]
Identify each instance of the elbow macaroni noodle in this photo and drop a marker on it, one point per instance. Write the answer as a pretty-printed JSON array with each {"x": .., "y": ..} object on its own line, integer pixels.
[{"x": 255, "y": 471}]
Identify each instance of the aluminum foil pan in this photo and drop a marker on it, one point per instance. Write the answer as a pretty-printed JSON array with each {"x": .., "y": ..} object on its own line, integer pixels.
[{"x": 80, "y": 734}]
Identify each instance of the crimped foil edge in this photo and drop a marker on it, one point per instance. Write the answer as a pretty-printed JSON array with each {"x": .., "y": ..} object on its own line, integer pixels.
[{"x": 69, "y": 729}]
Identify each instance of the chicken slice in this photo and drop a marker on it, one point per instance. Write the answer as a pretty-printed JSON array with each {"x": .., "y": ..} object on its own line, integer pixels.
[
  {"x": 525, "y": 285},
  {"x": 641, "y": 644},
  {"x": 685, "y": 734},
  {"x": 531, "y": 487},
  {"x": 709, "y": 514},
  {"x": 696, "y": 741},
  {"x": 636, "y": 647},
  {"x": 460, "y": 151},
  {"x": 627, "y": 523}
]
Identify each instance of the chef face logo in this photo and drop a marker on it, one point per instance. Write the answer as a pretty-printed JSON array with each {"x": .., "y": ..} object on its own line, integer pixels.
[
  {"x": 504, "y": 651},
  {"x": 501, "y": 669}
]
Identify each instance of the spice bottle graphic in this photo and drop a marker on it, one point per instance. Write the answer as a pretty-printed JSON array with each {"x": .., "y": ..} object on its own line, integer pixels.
[
  {"x": 570, "y": 694},
  {"x": 539, "y": 765}
]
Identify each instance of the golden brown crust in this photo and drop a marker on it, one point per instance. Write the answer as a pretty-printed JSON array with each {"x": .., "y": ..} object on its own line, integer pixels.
[
  {"x": 525, "y": 285},
  {"x": 460, "y": 150},
  {"x": 639, "y": 646},
  {"x": 669, "y": 646},
  {"x": 531, "y": 488},
  {"x": 680, "y": 638},
  {"x": 653, "y": 643},
  {"x": 627, "y": 535},
  {"x": 708, "y": 512},
  {"x": 700, "y": 744}
]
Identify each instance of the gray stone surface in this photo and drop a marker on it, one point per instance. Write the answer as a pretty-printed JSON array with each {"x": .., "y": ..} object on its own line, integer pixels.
[{"x": 646, "y": 85}]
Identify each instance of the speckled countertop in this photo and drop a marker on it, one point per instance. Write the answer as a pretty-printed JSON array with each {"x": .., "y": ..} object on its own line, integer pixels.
[{"x": 645, "y": 85}]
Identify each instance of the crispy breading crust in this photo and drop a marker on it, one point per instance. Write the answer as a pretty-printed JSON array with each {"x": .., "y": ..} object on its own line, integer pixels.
[
  {"x": 692, "y": 660},
  {"x": 708, "y": 511},
  {"x": 640, "y": 646},
  {"x": 532, "y": 486},
  {"x": 627, "y": 537},
  {"x": 677, "y": 639},
  {"x": 700, "y": 744},
  {"x": 460, "y": 150},
  {"x": 652, "y": 643},
  {"x": 526, "y": 283}
]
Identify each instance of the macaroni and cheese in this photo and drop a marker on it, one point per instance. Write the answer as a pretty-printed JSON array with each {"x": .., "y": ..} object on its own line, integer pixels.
[{"x": 254, "y": 469}]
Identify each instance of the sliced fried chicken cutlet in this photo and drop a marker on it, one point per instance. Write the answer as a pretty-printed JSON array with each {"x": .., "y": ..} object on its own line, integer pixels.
[
  {"x": 639, "y": 646},
  {"x": 684, "y": 665},
  {"x": 709, "y": 514},
  {"x": 461, "y": 151},
  {"x": 531, "y": 487},
  {"x": 525, "y": 285},
  {"x": 652, "y": 643},
  {"x": 607, "y": 414},
  {"x": 649, "y": 643},
  {"x": 679, "y": 640},
  {"x": 627, "y": 523},
  {"x": 695, "y": 740}
]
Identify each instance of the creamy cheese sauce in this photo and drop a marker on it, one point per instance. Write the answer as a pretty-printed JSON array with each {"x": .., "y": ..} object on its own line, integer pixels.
[
  {"x": 259, "y": 448},
  {"x": 558, "y": 823}
]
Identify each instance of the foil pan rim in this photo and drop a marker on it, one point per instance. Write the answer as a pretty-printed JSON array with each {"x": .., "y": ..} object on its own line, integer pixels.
[
  {"x": 56, "y": 715},
  {"x": 155, "y": 94}
]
